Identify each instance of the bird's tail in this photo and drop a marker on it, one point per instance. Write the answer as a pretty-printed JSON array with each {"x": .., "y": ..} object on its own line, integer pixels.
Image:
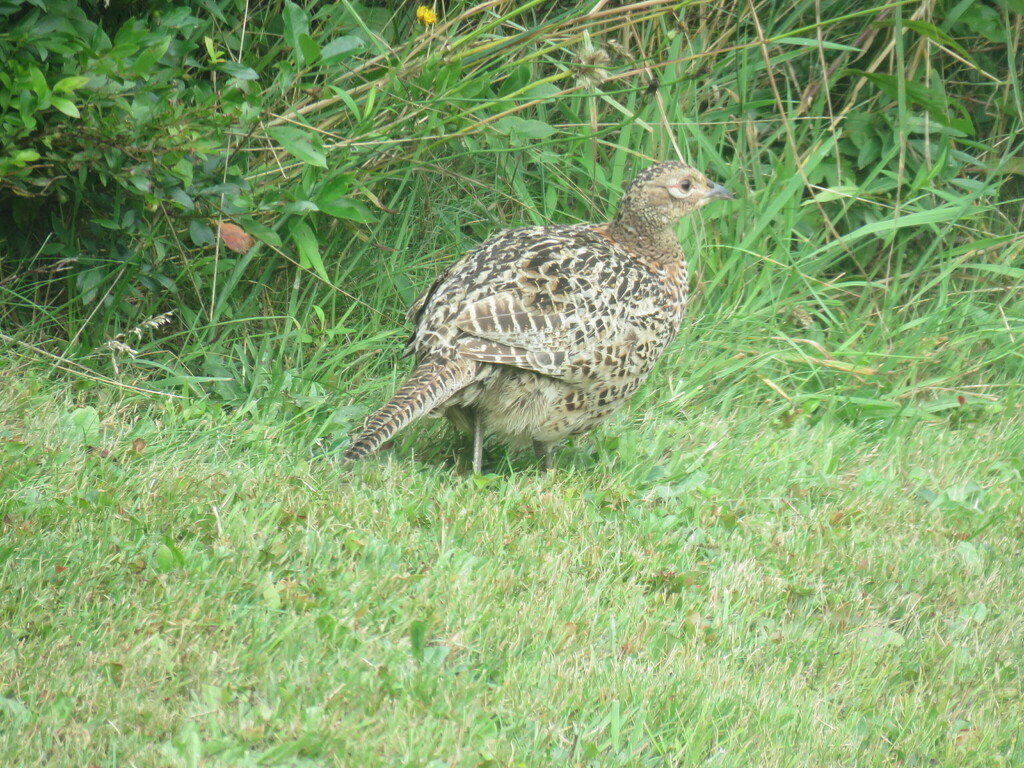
[{"x": 431, "y": 383}]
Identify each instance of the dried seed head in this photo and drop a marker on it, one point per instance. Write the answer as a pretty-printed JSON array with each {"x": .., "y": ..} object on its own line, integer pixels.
[{"x": 590, "y": 66}]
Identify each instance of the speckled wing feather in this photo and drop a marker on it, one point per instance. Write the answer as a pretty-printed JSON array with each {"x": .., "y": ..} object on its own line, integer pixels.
[
  {"x": 543, "y": 310},
  {"x": 502, "y": 329}
]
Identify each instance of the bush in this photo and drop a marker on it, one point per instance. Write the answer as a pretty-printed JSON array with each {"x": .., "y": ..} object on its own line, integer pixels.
[{"x": 111, "y": 141}]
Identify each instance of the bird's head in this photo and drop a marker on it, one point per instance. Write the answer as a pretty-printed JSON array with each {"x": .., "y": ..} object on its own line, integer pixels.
[{"x": 661, "y": 195}]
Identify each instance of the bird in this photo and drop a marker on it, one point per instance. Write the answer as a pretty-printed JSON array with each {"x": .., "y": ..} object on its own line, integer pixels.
[{"x": 541, "y": 333}]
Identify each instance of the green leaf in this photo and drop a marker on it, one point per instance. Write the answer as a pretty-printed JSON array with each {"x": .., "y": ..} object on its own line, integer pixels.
[
  {"x": 23, "y": 156},
  {"x": 929, "y": 30},
  {"x": 300, "y": 144},
  {"x": 179, "y": 196},
  {"x": 310, "y": 49},
  {"x": 177, "y": 18},
  {"x": 164, "y": 559},
  {"x": 834, "y": 193},
  {"x": 296, "y": 23},
  {"x": 69, "y": 84},
  {"x": 810, "y": 42},
  {"x": 309, "y": 249},
  {"x": 1003, "y": 270},
  {"x": 1008, "y": 165},
  {"x": 238, "y": 71},
  {"x": 201, "y": 232},
  {"x": 27, "y": 104},
  {"x": 168, "y": 557},
  {"x": 60, "y": 708},
  {"x": 288, "y": 752},
  {"x": 83, "y": 423},
  {"x": 346, "y": 208},
  {"x": 261, "y": 232},
  {"x": 38, "y": 81},
  {"x": 519, "y": 127},
  {"x": 212, "y": 53},
  {"x": 984, "y": 21},
  {"x": 336, "y": 186},
  {"x": 272, "y": 596},
  {"x": 184, "y": 171},
  {"x": 936, "y": 104},
  {"x": 65, "y": 105},
  {"x": 300, "y": 206},
  {"x": 145, "y": 61},
  {"x": 320, "y": 316},
  {"x": 340, "y": 48},
  {"x": 13, "y": 710},
  {"x": 540, "y": 91}
]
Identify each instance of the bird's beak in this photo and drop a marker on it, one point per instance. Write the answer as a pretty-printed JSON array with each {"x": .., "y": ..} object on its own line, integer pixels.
[{"x": 718, "y": 192}]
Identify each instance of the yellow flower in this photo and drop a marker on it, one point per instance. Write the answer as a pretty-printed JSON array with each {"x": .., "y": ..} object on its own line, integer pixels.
[{"x": 425, "y": 16}]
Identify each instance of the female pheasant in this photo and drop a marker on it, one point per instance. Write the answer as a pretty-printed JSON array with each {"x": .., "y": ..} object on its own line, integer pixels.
[{"x": 543, "y": 332}]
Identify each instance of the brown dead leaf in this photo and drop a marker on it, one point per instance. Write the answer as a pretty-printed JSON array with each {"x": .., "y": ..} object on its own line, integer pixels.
[{"x": 235, "y": 238}]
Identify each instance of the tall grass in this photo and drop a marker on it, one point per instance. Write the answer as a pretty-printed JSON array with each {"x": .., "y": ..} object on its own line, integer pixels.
[{"x": 872, "y": 262}]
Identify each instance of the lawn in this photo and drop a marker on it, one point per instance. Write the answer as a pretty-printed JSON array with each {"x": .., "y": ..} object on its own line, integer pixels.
[{"x": 688, "y": 588}]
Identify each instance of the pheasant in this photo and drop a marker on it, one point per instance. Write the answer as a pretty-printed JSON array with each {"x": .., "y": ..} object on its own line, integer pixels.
[{"x": 543, "y": 332}]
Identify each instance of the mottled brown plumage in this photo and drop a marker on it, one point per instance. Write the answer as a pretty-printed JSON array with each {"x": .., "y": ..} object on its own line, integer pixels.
[{"x": 542, "y": 332}]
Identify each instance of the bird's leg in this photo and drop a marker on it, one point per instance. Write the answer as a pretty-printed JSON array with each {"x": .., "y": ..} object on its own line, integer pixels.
[
  {"x": 478, "y": 442},
  {"x": 543, "y": 452}
]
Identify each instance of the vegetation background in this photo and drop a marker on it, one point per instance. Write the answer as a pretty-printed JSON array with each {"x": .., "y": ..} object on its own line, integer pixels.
[{"x": 801, "y": 545}]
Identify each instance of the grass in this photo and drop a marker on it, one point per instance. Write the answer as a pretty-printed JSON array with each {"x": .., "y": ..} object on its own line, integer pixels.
[
  {"x": 748, "y": 587},
  {"x": 800, "y": 545}
]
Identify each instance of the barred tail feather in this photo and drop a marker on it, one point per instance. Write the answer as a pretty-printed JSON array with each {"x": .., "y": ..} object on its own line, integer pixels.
[{"x": 431, "y": 384}]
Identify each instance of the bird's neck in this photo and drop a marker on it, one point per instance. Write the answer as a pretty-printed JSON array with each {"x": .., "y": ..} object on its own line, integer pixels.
[{"x": 654, "y": 246}]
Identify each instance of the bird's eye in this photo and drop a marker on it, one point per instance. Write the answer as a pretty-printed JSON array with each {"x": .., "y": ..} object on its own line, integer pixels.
[{"x": 680, "y": 189}]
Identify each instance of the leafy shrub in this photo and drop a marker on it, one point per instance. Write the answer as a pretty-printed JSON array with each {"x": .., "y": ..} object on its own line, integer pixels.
[{"x": 108, "y": 137}]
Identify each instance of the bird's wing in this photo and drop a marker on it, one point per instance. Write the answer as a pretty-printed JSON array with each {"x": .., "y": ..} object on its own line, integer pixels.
[
  {"x": 503, "y": 329},
  {"x": 507, "y": 329},
  {"x": 412, "y": 315},
  {"x": 552, "y": 304}
]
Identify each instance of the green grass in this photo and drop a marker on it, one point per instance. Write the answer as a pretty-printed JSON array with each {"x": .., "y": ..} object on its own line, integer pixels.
[
  {"x": 799, "y": 545},
  {"x": 750, "y": 587}
]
